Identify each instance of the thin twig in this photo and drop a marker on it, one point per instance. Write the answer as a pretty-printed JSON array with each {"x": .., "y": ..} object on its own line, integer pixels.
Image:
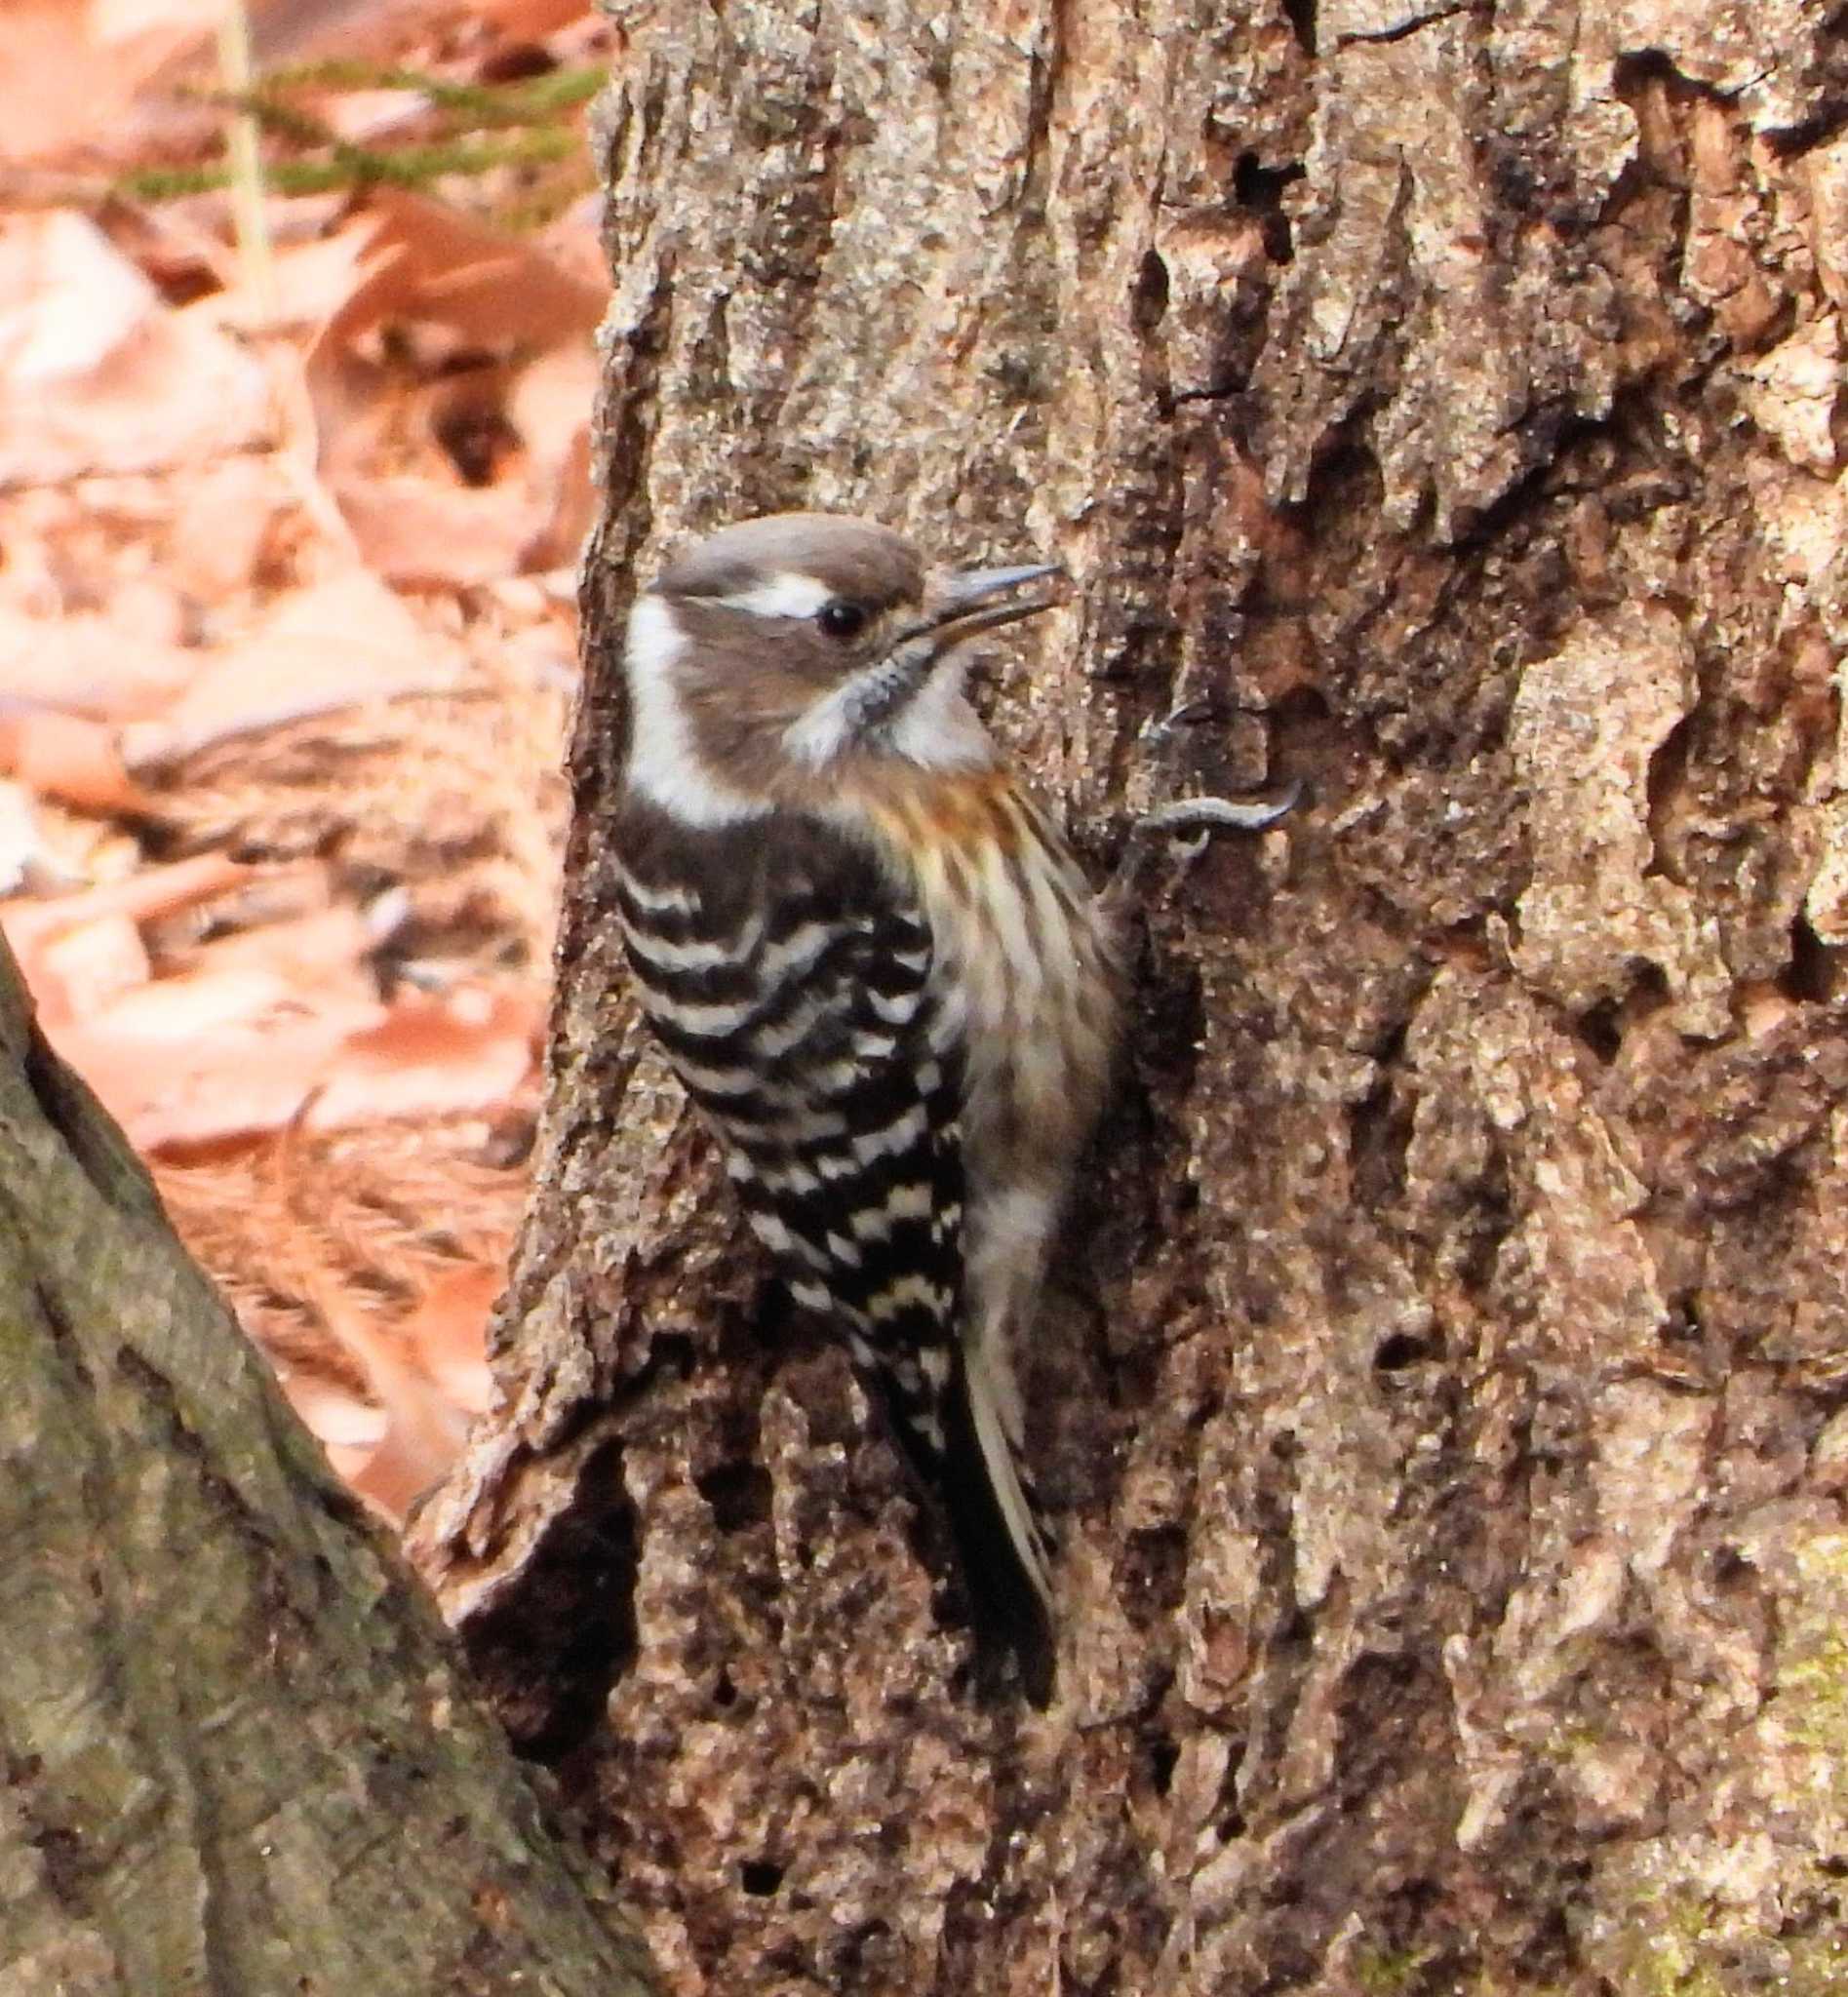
[{"x": 246, "y": 161}]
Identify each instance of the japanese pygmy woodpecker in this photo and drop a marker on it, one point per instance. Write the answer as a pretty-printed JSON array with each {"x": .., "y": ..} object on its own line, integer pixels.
[{"x": 877, "y": 968}]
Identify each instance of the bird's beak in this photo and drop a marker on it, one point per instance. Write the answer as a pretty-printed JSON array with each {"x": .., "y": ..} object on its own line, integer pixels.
[{"x": 964, "y": 600}]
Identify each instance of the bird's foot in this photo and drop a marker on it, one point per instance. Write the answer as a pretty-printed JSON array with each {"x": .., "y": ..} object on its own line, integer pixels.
[{"x": 1187, "y": 825}]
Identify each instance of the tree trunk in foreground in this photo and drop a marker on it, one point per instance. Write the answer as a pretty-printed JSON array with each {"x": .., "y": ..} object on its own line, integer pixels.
[
  {"x": 239, "y": 1757},
  {"x": 1446, "y": 1420}
]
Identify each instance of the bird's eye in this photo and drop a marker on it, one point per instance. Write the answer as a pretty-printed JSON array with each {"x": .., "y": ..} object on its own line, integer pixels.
[{"x": 841, "y": 618}]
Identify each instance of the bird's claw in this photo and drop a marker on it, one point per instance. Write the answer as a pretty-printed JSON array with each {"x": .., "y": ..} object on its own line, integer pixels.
[
  {"x": 1204, "y": 816},
  {"x": 1156, "y": 735},
  {"x": 1189, "y": 825}
]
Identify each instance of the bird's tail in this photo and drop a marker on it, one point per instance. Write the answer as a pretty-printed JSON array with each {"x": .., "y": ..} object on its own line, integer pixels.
[{"x": 1006, "y": 1556}]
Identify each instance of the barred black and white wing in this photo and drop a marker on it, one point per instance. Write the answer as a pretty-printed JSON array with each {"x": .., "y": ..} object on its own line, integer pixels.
[{"x": 790, "y": 983}]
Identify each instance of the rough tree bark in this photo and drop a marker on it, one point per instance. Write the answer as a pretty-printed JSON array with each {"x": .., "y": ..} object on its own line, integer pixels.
[
  {"x": 1447, "y": 1422},
  {"x": 237, "y": 1755}
]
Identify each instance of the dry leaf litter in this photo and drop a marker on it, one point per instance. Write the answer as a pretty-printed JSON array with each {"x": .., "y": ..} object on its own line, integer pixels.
[{"x": 286, "y": 649}]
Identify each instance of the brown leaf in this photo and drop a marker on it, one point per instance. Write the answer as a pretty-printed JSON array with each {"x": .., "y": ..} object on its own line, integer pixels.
[
  {"x": 79, "y": 971},
  {"x": 435, "y": 263},
  {"x": 224, "y": 521},
  {"x": 339, "y": 643},
  {"x": 448, "y": 1332},
  {"x": 550, "y": 405},
  {"x": 67, "y": 69},
  {"x": 89, "y": 664},
  {"x": 417, "y": 533},
  {"x": 311, "y": 282},
  {"x": 529, "y": 20},
  {"x": 142, "y": 897},
  {"x": 179, "y": 257},
  {"x": 311, "y": 951},
  {"x": 423, "y": 1431},
  {"x": 65, "y": 756},
  {"x": 212, "y": 1054},
  {"x": 97, "y": 375},
  {"x": 430, "y": 1057}
]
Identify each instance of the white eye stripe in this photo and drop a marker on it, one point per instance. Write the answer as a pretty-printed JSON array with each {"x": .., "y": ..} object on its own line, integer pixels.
[{"x": 786, "y": 594}]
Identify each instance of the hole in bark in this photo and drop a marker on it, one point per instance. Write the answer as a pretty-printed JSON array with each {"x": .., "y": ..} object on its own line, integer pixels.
[
  {"x": 738, "y": 1493},
  {"x": 673, "y": 1355},
  {"x": 1301, "y": 16},
  {"x": 1402, "y": 1350},
  {"x": 1163, "y": 1755},
  {"x": 1681, "y": 1323},
  {"x": 1810, "y": 974},
  {"x": 1149, "y": 303},
  {"x": 1663, "y": 783},
  {"x": 1600, "y": 1031},
  {"x": 1792, "y": 140},
  {"x": 759, "y": 1877},
  {"x": 1730, "y": 1568},
  {"x": 1380, "y": 1135},
  {"x": 1259, "y": 190},
  {"x": 550, "y": 1653},
  {"x": 1301, "y": 704},
  {"x": 725, "y": 1694},
  {"x": 1156, "y": 1565}
]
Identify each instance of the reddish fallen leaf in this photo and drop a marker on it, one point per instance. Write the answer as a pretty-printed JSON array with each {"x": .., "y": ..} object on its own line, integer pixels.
[
  {"x": 182, "y": 260},
  {"x": 65, "y": 756},
  {"x": 193, "y": 1060},
  {"x": 435, "y": 263},
  {"x": 338, "y": 644},
  {"x": 549, "y": 405},
  {"x": 142, "y": 897},
  {"x": 97, "y": 375},
  {"x": 60, "y": 85},
  {"x": 432, "y": 1057},
  {"x": 113, "y": 667},
  {"x": 311, "y": 951},
  {"x": 529, "y": 20},
  {"x": 224, "y": 520},
  {"x": 231, "y": 1051},
  {"x": 311, "y": 282},
  {"x": 115, "y": 21},
  {"x": 419, "y": 533},
  {"x": 422, "y": 1431},
  {"x": 448, "y": 1332},
  {"x": 79, "y": 971}
]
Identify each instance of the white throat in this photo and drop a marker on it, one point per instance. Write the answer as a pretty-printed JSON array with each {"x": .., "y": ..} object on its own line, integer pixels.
[
  {"x": 939, "y": 729},
  {"x": 936, "y": 729}
]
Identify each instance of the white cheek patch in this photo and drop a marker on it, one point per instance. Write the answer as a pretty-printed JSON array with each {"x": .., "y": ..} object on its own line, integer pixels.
[
  {"x": 664, "y": 766},
  {"x": 785, "y": 595}
]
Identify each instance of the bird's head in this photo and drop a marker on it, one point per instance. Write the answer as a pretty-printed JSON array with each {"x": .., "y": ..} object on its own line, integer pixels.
[{"x": 779, "y": 657}]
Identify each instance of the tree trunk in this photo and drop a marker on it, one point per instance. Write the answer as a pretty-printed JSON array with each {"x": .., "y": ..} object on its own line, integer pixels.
[
  {"x": 239, "y": 1759},
  {"x": 1445, "y": 1422}
]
